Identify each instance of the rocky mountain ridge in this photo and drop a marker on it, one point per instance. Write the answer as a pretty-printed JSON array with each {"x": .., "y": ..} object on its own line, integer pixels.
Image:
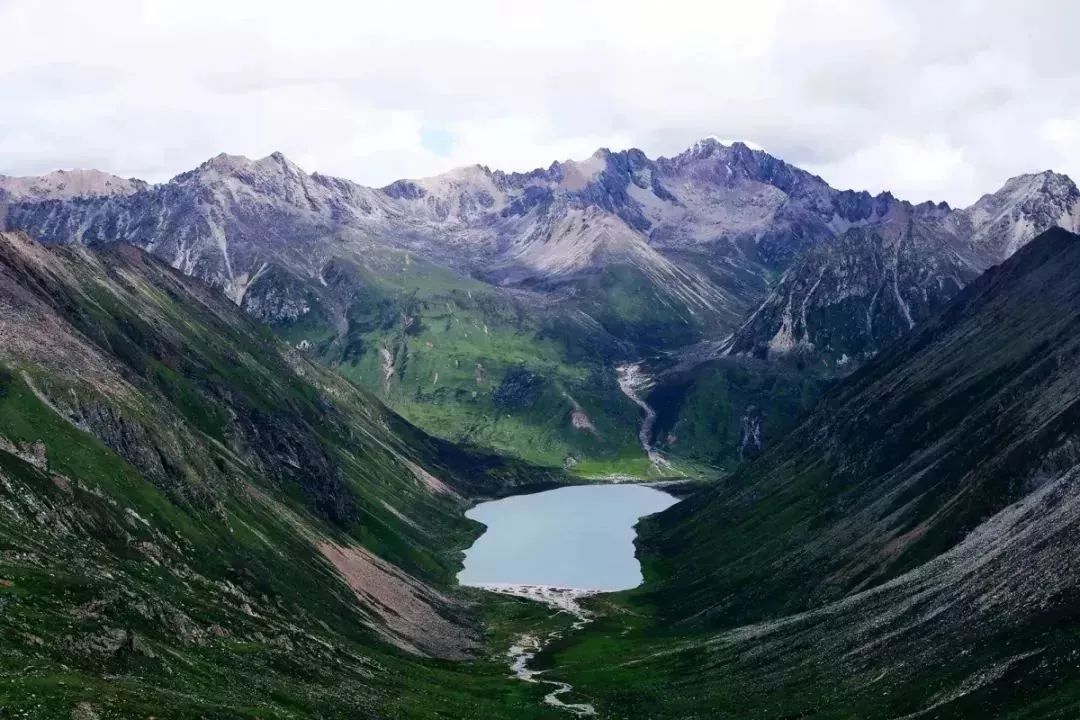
[
  {"x": 706, "y": 225},
  {"x": 66, "y": 185},
  {"x": 721, "y": 244},
  {"x": 227, "y": 218},
  {"x": 845, "y": 300}
]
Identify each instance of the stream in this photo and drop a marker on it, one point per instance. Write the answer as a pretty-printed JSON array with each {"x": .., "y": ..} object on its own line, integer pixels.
[
  {"x": 528, "y": 645},
  {"x": 557, "y": 547},
  {"x": 633, "y": 381}
]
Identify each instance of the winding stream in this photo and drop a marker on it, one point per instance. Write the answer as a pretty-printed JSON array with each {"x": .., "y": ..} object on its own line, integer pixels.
[
  {"x": 557, "y": 547},
  {"x": 527, "y": 645}
]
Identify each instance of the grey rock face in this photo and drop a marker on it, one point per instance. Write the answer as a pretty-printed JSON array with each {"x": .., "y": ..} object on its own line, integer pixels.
[
  {"x": 221, "y": 220},
  {"x": 708, "y": 228},
  {"x": 848, "y": 298},
  {"x": 1001, "y": 223},
  {"x": 67, "y": 184}
]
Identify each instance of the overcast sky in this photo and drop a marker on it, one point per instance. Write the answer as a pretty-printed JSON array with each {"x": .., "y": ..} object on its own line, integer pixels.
[{"x": 932, "y": 100}]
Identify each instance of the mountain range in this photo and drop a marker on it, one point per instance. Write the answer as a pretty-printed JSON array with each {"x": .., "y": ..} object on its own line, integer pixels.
[{"x": 492, "y": 308}]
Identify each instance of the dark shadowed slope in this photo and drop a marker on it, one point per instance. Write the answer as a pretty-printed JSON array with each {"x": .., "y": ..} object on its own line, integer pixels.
[
  {"x": 901, "y": 460},
  {"x": 909, "y": 551},
  {"x": 847, "y": 299}
]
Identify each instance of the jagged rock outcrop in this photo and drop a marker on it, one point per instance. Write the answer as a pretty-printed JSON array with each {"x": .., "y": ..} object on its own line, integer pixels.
[
  {"x": 702, "y": 226},
  {"x": 846, "y": 299}
]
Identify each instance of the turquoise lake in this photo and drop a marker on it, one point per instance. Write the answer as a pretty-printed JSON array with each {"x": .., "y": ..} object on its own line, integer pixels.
[{"x": 572, "y": 537}]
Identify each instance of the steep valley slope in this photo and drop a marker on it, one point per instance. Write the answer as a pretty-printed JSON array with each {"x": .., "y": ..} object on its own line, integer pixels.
[
  {"x": 198, "y": 521},
  {"x": 910, "y": 550}
]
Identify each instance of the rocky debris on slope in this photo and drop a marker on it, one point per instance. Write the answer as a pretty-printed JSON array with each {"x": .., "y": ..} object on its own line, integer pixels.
[
  {"x": 750, "y": 437},
  {"x": 33, "y": 453},
  {"x": 633, "y": 382},
  {"x": 84, "y": 711},
  {"x": 406, "y": 611}
]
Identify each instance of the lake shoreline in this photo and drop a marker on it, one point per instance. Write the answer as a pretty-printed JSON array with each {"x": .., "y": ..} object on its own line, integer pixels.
[
  {"x": 680, "y": 487},
  {"x": 577, "y": 536}
]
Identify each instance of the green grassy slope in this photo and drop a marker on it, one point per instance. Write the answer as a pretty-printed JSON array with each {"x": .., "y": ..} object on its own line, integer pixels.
[
  {"x": 464, "y": 360},
  {"x": 197, "y": 522},
  {"x": 528, "y": 372},
  {"x": 726, "y": 411}
]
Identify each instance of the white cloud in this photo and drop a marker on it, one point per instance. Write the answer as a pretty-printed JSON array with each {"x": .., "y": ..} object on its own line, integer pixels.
[
  {"x": 931, "y": 100},
  {"x": 905, "y": 166}
]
